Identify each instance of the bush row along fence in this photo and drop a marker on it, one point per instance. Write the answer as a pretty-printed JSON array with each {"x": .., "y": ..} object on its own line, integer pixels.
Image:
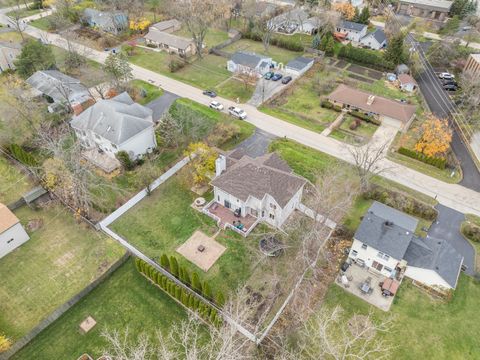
[
  {"x": 283, "y": 43},
  {"x": 365, "y": 56},
  {"x": 328, "y": 105},
  {"x": 401, "y": 202},
  {"x": 62, "y": 309},
  {"x": 187, "y": 299},
  {"x": 471, "y": 232},
  {"x": 440, "y": 163}
]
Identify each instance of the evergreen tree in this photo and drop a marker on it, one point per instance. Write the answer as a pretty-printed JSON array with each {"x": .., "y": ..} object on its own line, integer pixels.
[
  {"x": 164, "y": 282},
  {"x": 34, "y": 56},
  {"x": 356, "y": 17},
  {"x": 330, "y": 47},
  {"x": 191, "y": 301},
  {"x": 196, "y": 302},
  {"x": 186, "y": 277},
  {"x": 174, "y": 266},
  {"x": 323, "y": 42},
  {"x": 196, "y": 284},
  {"x": 184, "y": 298},
  {"x": 138, "y": 264},
  {"x": 213, "y": 316},
  {"x": 207, "y": 292},
  {"x": 181, "y": 274},
  {"x": 220, "y": 299},
  {"x": 395, "y": 52},
  {"x": 178, "y": 292},
  {"x": 164, "y": 262},
  {"x": 364, "y": 17},
  {"x": 316, "y": 41}
]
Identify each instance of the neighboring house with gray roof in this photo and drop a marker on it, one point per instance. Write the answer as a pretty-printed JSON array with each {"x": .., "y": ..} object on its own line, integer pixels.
[
  {"x": 250, "y": 63},
  {"x": 430, "y": 9},
  {"x": 296, "y": 20},
  {"x": 386, "y": 243},
  {"x": 299, "y": 65},
  {"x": 352, "y": 31},
  {"x": 170, "y": 43},
  {"x": 60, "y": 89},
  {"x": 167, "y": 26},
  {"x": 117, "y": 124},
  {"x": 375, "y": 40},
  {"x": 264, "y": 187},
  {"x": 8, "y": 53},
  {"x": 113, "y": 22}
]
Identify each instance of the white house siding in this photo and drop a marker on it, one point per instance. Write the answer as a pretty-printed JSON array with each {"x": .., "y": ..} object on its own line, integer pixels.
[
  {"x": 12, "y": 238},
  {"x": 371, "y": 42},
  {"x": 140, "y": 144},
  {"x": 353, "y": 35},
  {"x": 291, "y": 206},
  {"x": 221, "y": 196},
  {"x": 369, "y": 255},
  {"x": 426, "y": 276}
]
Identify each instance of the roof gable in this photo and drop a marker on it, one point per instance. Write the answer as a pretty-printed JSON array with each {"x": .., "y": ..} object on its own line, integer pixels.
[
  {"x": 249, "y": 59},
  {"x": 349, "y": 25},
  {"x": 7, "y": 218}
]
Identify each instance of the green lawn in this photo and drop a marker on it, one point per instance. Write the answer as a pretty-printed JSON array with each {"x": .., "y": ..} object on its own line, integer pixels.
[
  {"x": 125, "y": 300},
  {"x": 234, "y": 89},
  {"x": 383, "y": 88},
  {"x": 212, "y": 38},
  {"x": 13, "y": 183},
  {"x": 152, "y": 91},
  {"x": 425, "y": 328},
  {"x": 277, "y": 54},
  {"x": 300, "y": 104},
  {"x": 204, "y": 73},
  {"x": 23, "y": 12},
  {"x": 42, "y": 23},
  {"x": 360, "y": 135}
]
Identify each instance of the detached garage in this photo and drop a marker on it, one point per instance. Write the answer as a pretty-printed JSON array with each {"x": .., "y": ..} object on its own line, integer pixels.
[{"x": 299, "y": 65}]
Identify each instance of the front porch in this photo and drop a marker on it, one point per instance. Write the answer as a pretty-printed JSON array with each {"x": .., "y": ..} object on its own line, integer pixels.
[
  {"x": 367, "y": 285},
  {"x": 226, "y": 218}
]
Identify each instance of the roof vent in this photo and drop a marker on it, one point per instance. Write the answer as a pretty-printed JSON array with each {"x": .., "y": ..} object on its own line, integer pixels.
[
  {"x": 109, "y": 128},
  {"x": 388, "y": 223},
  {"x": 370, "y": 99}
]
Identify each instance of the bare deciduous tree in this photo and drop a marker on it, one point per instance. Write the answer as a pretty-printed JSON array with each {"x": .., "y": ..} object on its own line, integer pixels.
[
  {"x": 16, "y": 20},
  {"x": 199, "y": 16},
  {"x": 366, "y": 161},
  {"x": 265, "y": 28}
]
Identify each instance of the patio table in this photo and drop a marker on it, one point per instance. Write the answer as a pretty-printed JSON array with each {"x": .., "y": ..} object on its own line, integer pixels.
[{"x": 365, "y": 287}]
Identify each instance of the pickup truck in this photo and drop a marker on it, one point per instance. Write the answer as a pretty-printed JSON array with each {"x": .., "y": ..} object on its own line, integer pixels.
[{"x": 238, "y": 113}]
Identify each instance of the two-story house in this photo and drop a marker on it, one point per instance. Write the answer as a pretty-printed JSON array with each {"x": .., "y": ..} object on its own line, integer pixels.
[
  {"x": 352, "y": 31},
  {"x": 385, "y": 242},
  {"x": 264, "y": 188},
  {"x": 117, "y": 124}
]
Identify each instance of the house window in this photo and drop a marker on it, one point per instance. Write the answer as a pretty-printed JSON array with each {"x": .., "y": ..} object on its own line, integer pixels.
[
  {"x": 227, "y": 204},
  {"x": 218, "y": 197},
  {"x": 387, "y": 269},
  {"x": 377, "y": 266},
  {"x": 364, "y": 246},
  {"x": 9, "y": 241},
  {"x": 354, "y": 252},
  {"x": 272, "y": 216},
  {"x": 383, "y": 256}
]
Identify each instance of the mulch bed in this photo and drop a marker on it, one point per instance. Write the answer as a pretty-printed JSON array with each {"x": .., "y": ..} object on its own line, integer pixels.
[
  {"x": 342, "y": 64},
  {"x": 361, "y": 78}
]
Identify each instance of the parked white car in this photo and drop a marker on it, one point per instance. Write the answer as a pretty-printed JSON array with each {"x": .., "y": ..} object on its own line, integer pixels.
[
  {"x": 216, "y": 105},
  {"x": 237, "y": 112},
  {"x": 446, "y": 76}
]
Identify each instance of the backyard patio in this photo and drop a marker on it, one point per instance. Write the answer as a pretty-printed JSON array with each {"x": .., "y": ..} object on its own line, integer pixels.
[
  {"x": 227, "y": 218},
  {"x": 366, "y": 285}
]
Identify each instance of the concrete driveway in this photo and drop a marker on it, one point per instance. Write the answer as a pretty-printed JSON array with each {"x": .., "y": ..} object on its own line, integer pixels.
[
  {"x": 257, "y": 144},
  {"x": 161, "y": 104},
  {"x": 266, "y": 89},
  {"x": 447, "y": 227}
]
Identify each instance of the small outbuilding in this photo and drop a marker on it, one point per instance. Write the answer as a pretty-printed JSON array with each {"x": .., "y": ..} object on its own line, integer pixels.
[
  {"x": 299, "y": 65},
  {"x": 407, "y": 83},
  {"x": 12, "y": 233}
]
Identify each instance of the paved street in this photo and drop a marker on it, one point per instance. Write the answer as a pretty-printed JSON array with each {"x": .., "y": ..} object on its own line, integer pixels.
[
  {"x": 455, "y": 196},
  {"x": 447, "y": 227}
]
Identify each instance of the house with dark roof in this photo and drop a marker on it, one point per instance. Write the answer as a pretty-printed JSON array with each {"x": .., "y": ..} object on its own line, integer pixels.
[
  {"x": 263, "y": 189},
  {"x": 113, "y": 22},
  {"x": 113, "y": 125},
  {"x": 61, "y": 90},
  {"x": 375, "y": 40},
  {"x": 429, "y": 9},
  {"x": 385, "y": 243},
  {"x": 348, "y": 30},
  {"x": 250, "y": 63},
  {"x": 299, "y": 65},
  {"x": 170, "y": 43}
]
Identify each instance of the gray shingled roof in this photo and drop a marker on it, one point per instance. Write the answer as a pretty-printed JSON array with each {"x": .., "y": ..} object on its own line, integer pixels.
[
  {"x": 169, "y": 39},
  {"x": 378, "y": 35},
  {"x": 294, "y": 16},
  {"x": 387, "y": 230},
  {"x": 437, "y": 255},
  {"x": 344, "y": 24},
  {"x": 117, "y": 119},
  {"x": 105, "y": 18},
  {"x": 258, "y": 177},
  {"x": 58, "y": 86},
  {"x": 299, "y": 63},
  {"x": 166, "y": 24},
  {"x": 249, "y": 59}
]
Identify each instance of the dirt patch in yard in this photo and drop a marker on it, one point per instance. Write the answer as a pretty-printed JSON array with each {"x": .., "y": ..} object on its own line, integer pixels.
[
  {"x": 341, "y": 64},
  {"x": 34, "y": 225},
  {"x": 361, "y": 78},
  {"x": 360, "y": 70},
  {"x": 64, "y": 259}
]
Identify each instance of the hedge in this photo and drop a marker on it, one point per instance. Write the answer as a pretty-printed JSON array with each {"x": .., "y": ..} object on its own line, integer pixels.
[
  {"x": 281, "y": 42},
  {"x": 471, "y": 231},
  {"x": 365, "y": 56},
  {"x": 365, "y": 117},
  {"x": 328, "y": 105},
  {"x": 401, "y": 202},
  {"x": 440, "y": 163},
  {"x": 207, "y": 312},
  {"x": 21, "y": 155}
]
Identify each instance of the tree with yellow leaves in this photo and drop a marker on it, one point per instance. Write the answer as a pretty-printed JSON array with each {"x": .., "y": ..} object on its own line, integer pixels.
[
  {"x": 435, "y": 138},
  {"x": 5, "y": 343},
  {"x": 346, "y": 9},
  {"x": 139, "y": 25},
  {"x": 202, "y": 161}
]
